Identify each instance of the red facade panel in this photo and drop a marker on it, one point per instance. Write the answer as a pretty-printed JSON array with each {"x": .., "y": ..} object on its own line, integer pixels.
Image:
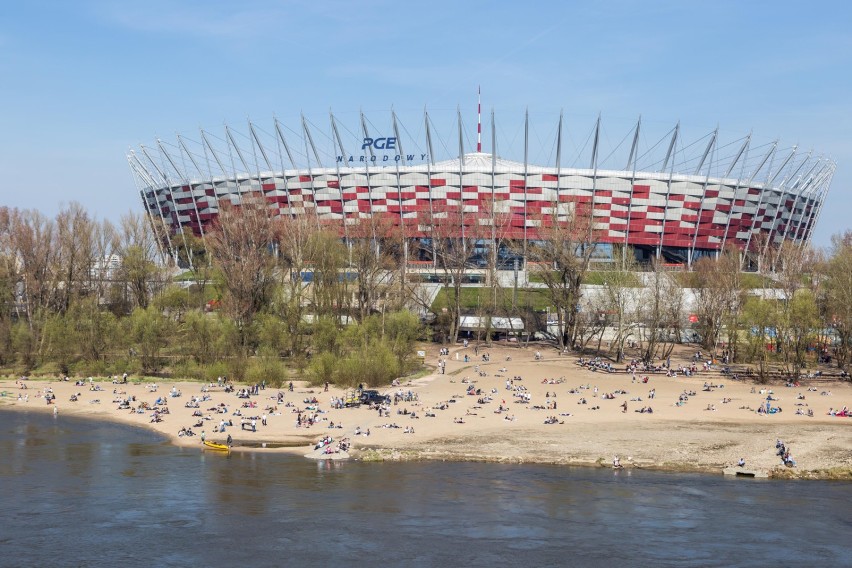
[{"x": 614, "y": 210}]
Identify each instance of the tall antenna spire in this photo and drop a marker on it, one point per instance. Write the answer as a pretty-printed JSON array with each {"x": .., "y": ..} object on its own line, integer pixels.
[{"x": 478, "y": 119}]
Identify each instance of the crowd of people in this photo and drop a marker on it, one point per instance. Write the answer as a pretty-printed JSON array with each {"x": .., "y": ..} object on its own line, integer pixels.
[{"x": 474, "y": 398}]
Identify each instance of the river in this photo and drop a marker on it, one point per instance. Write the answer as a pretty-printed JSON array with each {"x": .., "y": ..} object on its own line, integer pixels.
[{"x": 85, "y": 493}]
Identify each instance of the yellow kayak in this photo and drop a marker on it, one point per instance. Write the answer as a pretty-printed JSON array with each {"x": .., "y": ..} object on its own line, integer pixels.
[{"x": 215, "y": 446}]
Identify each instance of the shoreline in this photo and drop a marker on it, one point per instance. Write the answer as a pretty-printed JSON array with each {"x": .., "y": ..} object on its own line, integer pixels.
[
  {"x": 447, "y": 423},
  {"x": 389, "y": 454}
]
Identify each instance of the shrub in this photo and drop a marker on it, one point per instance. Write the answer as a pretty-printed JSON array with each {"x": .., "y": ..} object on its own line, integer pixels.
[
  {"x": 188, "y": 369},
  {"x": 376, "y": 366},
  {"x": 322, "y": 368},
  {"x": 209, "y": 373},
  {"x": 267, "y": 369},
  {"x": 90, "y": 369},
  {"x": 236, "y": 369}
]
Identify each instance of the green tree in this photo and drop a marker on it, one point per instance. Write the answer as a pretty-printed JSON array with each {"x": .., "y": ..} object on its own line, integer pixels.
[
  {"x": 206, "y": 338},
  {"x": 798, "y": 320},
  {"x": 93, "y": 328},
  {"x": 149, "y": 333},
  {"x": 8, "y": 282},
  {"x": 837, "y": 296},
  {"x": 59, "y": 342},
  {"x": 760, "y": 317},
  {"x": 327, "y": 256},
  {"x": 24, "y": 344},
  {"x": 175, "y": 302},
  {"x": 137, "y": 273},
  {"x": 401, "y": 330}
]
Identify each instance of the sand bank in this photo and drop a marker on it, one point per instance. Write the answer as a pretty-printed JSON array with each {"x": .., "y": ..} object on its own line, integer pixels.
[{"x": 710, "y": 430}]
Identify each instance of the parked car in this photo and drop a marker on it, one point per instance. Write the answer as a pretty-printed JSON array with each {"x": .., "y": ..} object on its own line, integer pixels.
[{"x": 373, "y": 396}]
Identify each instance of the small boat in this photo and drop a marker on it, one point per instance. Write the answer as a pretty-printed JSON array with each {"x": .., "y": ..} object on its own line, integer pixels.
[{"x": 215, "y": 446}]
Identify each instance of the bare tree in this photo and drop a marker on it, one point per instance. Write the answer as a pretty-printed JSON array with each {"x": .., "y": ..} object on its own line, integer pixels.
[
  {"x": 74, "y": 254},
  {"x": 621, "y": 293},
  {"x": 293, "y": 237},
  {"x": 454, "y": 247},
  {"x": 140, "y": 275},
  {"x": 327, "y": 257},
  {"x": 798, "y": 314},
  {"x": 590, "y": 322},
  {"x": 32, "y": 238},
  {"x": 497, "y": 230},
  {"x": 662, "y": 311},
  {"x": 105, "y": 247},
  {"x": 240, "y": 245},
  {"x": 719, "y": 295},
  {"x": 9, "y": 280},
  {"x": 374, "y": 262},
  {"x": 560, "y": 258}
]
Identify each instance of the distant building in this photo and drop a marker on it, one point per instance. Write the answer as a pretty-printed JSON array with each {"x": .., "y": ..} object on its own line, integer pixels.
[
  {"x": 105, "y": 268},
  {"x": 679, "y": 199}
]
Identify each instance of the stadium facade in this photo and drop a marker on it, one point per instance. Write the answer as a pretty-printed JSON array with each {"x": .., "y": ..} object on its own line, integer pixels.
[{"x": 676, "y": 198}]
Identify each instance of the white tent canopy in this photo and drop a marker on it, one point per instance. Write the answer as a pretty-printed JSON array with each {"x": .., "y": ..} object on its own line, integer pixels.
[{"x": 498, "y": 323}]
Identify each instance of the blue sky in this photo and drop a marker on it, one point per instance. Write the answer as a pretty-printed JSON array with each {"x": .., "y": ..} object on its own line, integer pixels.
[{"x": 84, "y": 81}]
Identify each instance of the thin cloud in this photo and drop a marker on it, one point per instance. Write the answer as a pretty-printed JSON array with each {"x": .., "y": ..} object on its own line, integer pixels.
[
  {"x": 196, "y": 19},
  {"x": 413, "y": 76}
]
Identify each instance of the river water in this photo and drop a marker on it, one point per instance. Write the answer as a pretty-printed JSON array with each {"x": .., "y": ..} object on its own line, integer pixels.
[{"x": 85, "y": 493}]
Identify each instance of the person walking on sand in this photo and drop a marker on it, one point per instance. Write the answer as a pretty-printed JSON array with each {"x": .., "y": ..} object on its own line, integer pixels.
[{"x": 203, "y": 436}]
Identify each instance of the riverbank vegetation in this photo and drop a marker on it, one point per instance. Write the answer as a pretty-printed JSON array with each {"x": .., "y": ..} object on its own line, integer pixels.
[{"x": 270, "y": 298}]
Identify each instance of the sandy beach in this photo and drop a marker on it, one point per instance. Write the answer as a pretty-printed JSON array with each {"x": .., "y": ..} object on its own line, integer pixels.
[{"x": 705, "y": 422}]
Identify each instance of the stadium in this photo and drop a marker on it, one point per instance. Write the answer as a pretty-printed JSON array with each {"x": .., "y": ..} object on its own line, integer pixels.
[{"x": 667, "y": 196}]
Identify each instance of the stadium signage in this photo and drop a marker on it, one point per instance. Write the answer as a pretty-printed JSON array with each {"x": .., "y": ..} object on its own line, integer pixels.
[
  {"x": 387, "y": 143},
  {"x": 374, "y": 159},
  {"x": 379, "y": 143}
]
